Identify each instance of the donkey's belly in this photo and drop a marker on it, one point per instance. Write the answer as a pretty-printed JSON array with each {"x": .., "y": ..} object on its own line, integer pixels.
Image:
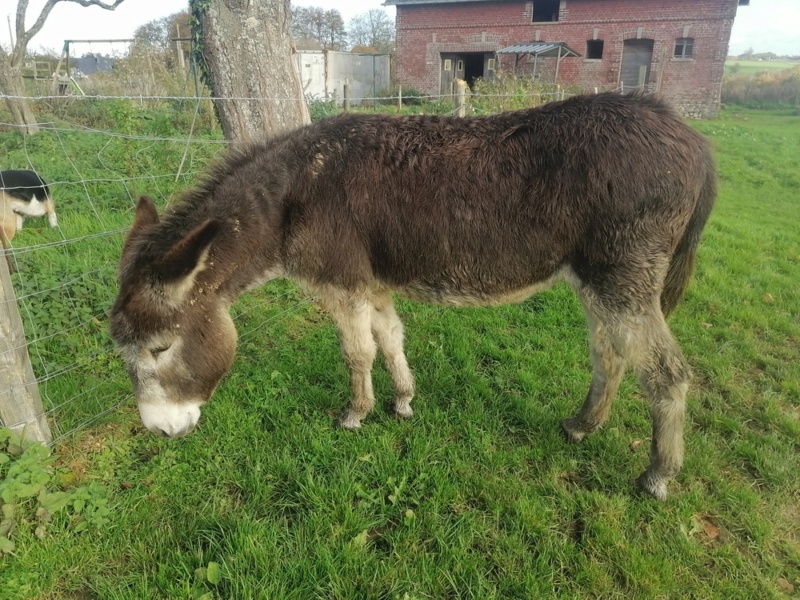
[{"x": 451, "y": 292}]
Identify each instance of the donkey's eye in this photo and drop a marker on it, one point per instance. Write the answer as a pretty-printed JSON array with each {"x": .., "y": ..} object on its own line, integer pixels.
[{"x": 159, "y": 350}]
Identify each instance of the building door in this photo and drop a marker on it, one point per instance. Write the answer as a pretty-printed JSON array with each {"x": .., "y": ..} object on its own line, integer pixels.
[
  {"x": 468, "y": 66},
  {"x": 450, "y": 73},
  {"x": 637, "y": 56}
]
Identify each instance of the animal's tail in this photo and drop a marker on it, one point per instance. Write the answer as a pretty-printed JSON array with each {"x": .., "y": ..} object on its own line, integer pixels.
[{"x": 682, "y": 264}]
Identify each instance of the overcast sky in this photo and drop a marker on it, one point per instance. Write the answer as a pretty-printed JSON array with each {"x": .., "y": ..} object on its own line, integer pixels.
[{"x": 765, "y": 25}]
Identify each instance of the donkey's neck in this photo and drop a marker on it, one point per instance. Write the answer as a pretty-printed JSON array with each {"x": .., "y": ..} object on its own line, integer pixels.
[{"x": 244, "y": 253}]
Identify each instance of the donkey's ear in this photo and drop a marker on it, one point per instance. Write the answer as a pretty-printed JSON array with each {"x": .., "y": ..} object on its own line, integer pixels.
[
  {"x": 178, "y": 267},
  {"x": 146, "y": 217},
  {"x": 146, "y": 214}
]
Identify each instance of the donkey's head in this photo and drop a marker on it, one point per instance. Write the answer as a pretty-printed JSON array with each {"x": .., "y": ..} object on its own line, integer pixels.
[{"x": 174, "y": 329}]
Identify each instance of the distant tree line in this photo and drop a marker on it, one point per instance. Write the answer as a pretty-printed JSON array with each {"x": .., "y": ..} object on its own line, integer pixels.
[
  {"x": 315, "y": 28},
  {"x": 751, "y": 54}
]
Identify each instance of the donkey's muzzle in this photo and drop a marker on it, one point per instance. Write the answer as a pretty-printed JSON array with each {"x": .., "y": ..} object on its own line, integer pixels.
[{"x": 172, "y": 420}]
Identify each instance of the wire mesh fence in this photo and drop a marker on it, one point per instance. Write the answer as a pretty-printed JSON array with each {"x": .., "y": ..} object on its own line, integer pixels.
[{"x": 98, "y": 153}]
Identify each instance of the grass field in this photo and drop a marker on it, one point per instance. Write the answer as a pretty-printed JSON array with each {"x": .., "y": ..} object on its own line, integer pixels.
[
  {"x": 479, "y": 495},
  {"x": 751, "y": 67}
]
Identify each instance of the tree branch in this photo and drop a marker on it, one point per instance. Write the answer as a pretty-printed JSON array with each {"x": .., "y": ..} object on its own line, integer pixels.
[{"x": 24, "y": 37}]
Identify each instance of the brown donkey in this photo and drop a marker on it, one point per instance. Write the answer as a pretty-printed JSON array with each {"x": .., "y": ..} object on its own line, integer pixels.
[{"x": 608, "y": 192}]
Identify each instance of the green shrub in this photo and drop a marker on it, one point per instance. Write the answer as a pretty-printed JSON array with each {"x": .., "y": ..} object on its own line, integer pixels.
[
  {"x": 320, "y": 109},
  {"x": 507, "y": 91},
  {"x": 763, "y": 90}
]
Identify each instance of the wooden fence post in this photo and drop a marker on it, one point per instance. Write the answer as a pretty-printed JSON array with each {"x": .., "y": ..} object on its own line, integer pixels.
[
  {"x": 346, "y": 95},
  {"x": 461, "y": 97},
  {"x": 21, "y": 407}
]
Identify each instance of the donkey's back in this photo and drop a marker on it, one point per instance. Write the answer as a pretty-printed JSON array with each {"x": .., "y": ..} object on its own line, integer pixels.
[{"x": 480, "y": 210}]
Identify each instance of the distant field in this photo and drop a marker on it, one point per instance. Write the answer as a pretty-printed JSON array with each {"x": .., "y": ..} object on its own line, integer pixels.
[{"x": 758, "y": 66}]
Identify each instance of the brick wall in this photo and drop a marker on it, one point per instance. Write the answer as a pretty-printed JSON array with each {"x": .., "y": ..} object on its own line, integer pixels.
[{"x": 425, "y": 31}]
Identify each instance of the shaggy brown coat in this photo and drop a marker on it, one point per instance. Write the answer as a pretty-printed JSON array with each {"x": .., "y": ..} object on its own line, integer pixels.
[{"x": 608, "y": 192}]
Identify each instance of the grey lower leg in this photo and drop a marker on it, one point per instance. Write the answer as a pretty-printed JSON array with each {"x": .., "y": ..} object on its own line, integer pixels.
[
  {"x": 388, "y": 331},
  {"x": 353, "y": 316},
  {"x": 609, "y": 368},
  {"x": 664, "y": 377}
]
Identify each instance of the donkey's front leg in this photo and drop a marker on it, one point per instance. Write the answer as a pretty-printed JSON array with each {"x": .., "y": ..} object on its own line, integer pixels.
[
  {"x": 388, "y": 331},
  {"x": 609, "y": 369},
  {"x": 352, "y": 313}
]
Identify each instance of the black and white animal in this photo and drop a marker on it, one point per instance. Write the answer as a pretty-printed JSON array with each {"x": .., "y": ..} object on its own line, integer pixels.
[
  {"x": 23, "y": 194},
  {"x": 609, "y": 193}
]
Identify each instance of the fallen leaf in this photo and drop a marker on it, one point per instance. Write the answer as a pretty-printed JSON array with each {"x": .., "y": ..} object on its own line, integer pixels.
[
  {"x": 785, "y": 586},
  {"x": 6, "y": 545},
  {"x": 706, "y": 325},
  {"x": 213, "y": 573},
  {"x": 712, "y": 531},
  {"x": 704, "y": 523},
  {"x": 635, "y": 444},
  {"x": 768, "y": 298},
  {"x": 361, "y": 539}
]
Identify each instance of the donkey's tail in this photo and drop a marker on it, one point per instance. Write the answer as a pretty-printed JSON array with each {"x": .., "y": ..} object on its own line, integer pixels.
[{"x": 682, "y": 264}]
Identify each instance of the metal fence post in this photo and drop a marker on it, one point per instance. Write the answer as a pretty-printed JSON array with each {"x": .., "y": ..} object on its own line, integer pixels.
[{"x": 21, "y": 407}]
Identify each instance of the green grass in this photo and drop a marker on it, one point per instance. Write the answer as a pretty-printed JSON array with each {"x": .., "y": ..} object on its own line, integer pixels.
[
  {"x": 479, "y": 495},
  {"x": 751, "y": 67}
]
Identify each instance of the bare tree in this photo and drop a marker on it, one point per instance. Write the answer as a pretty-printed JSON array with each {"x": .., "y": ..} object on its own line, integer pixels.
[
  {"x": 373, "y": 29},
  {"x": 247, "y": 60},
  {"x": 11, "y": 64},
  {"x": 324, "y": 26},
  {"x": 157, "y": 34}
]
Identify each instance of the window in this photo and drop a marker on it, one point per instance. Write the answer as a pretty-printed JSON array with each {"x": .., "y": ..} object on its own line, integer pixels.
[
  {"x": 684, "y": 47},
  {"x": 490, "y": 64},
  {"x": 448, "y": 64},
  {"x": 460, "y": 66},
  {"x": 545, "y": 10},
  {"x": 594, "y": 49}
]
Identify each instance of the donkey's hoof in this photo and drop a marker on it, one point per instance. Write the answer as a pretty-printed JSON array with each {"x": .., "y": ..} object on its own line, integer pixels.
[
  {"x": 575, "y": 433},
  {"x": 653, "y": 485},
  {"x": 349, "y": 421},
  {"x": 403, "y": 410}
]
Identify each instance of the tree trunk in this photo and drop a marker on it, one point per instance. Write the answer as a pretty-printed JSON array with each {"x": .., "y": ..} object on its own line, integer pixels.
[
  {"x": 250, "y": 66},
  {"x": 12, "y": 86}
]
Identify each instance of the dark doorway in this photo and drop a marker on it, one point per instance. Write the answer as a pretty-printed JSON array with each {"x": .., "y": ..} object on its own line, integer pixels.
[
  {"x": 468, "y": 66},
  {"x": 473, "y": 67},
  {"x": 637, "y": 56}
]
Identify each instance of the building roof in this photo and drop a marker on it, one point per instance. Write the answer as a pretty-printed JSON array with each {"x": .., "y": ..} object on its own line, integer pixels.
[{"x": 540, "y": 49}]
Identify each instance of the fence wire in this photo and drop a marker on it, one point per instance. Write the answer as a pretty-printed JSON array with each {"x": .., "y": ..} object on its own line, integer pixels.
[{"x": 98, "y": 155}]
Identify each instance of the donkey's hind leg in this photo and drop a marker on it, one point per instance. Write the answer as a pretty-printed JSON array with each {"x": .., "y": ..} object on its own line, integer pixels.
[
  {"x": 609, "y": 368},
  {"x": 352, "y": 313},
  {"x": 663, "y": 374},
  {"x": 388, "y": 331},
  {"x": 645, "y": 341}
]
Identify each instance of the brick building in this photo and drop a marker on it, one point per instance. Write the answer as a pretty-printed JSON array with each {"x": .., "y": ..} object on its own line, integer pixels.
[{"x": 677, "y": 47}]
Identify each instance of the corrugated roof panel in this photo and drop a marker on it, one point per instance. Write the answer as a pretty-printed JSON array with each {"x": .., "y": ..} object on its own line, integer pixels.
[{"x": 540, "y": 49}]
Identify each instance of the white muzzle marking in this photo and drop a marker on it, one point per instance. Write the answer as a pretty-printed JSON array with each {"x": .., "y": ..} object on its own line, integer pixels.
[{"x": 170, "y": 419}]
